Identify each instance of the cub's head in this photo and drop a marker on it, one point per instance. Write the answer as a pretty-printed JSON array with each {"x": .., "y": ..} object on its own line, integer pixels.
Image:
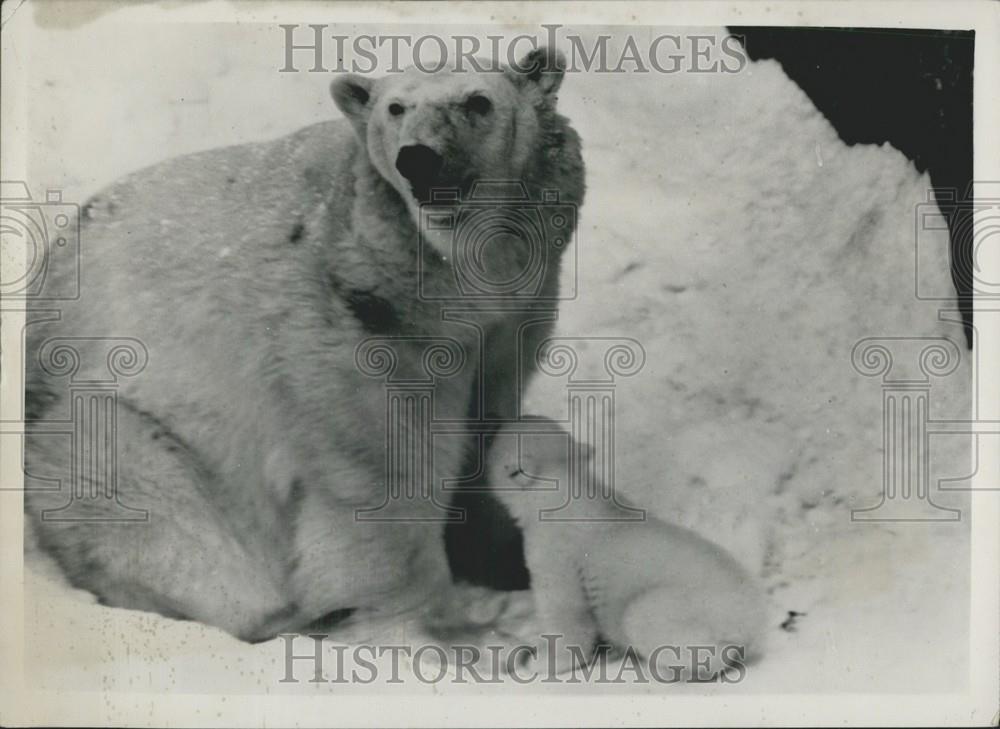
[
  {"x": 519, "y": 458},
  {"x": 449, "y": 129}
]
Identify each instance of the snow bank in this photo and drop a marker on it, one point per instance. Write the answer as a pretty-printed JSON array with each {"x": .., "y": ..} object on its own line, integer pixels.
[{"x": 748, "y": 250}]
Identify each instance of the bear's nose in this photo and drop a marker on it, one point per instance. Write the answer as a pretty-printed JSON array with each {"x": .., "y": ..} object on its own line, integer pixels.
[{"x": 420, "y": 165}]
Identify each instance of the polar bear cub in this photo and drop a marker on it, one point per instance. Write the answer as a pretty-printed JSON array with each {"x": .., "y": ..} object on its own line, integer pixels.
[{"x": 639, "y": 585}]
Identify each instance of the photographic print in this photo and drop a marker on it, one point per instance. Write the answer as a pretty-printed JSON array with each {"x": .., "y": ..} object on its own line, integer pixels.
[{"x": 499, "y": 364}]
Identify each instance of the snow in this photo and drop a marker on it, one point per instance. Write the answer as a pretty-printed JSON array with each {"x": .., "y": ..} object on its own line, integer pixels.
[{"x": 727, "y": 230}]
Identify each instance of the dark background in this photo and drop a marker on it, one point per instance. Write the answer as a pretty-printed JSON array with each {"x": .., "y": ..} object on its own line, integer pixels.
[{"x": 910, "y": 88}]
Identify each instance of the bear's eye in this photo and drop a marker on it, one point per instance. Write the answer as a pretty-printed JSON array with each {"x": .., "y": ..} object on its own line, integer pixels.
[
  {"x": 479, "y": 104},
  {"x": 396, "y": 109}
]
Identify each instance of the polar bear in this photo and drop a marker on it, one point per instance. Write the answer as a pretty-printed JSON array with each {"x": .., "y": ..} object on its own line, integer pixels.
[
  {"x": 644, "y": 586},
  {"x": 251, "y": 277}
]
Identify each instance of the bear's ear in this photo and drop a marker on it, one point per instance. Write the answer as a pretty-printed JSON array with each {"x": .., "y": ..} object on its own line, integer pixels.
[
  {"x": 542, "y": 68},
  {"x": 353, "y": 95}
]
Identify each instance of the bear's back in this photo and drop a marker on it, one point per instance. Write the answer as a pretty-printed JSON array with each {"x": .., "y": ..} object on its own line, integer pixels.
[{"x": 195, "y": 251}]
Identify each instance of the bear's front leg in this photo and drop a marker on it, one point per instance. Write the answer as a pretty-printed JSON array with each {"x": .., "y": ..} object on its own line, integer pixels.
[{"x": 567, "y": 628}]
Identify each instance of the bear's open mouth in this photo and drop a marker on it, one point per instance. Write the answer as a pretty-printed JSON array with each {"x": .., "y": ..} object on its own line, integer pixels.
[
  {"x": 421, "y": 167},
  {"x": 421, "y": 193}
]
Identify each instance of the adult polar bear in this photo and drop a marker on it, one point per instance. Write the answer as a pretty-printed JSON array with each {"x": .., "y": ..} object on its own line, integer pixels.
[{"x": 251, "y": 274}]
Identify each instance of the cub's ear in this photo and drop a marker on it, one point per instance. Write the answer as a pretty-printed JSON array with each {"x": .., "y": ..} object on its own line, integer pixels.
[
  {"x": 542, "y": 68},
  {"x": 353, "y": 96}
]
